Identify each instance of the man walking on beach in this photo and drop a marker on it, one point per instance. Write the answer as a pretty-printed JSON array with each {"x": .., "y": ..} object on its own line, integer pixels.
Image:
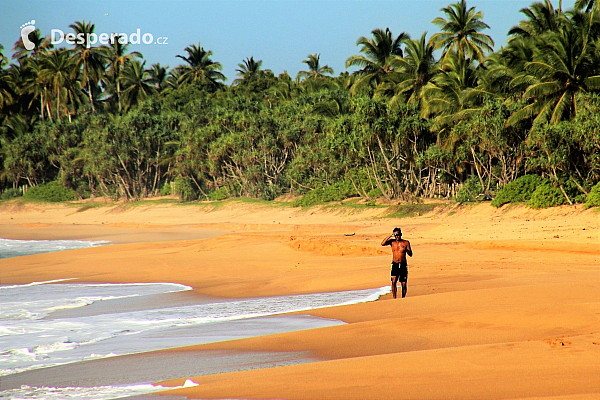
[{"x": 400, "y": 248}]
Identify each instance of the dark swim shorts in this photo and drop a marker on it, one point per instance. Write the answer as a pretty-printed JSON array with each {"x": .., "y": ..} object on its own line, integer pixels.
[{"x": 400, "y": 270}]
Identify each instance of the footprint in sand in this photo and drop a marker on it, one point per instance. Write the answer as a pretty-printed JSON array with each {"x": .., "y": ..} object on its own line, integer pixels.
[{"x": 26, "y": 29}]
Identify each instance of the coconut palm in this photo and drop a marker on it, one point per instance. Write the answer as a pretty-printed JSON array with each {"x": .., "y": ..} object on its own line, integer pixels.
[
  {"x": 500, "y": 69},
  {"x": 41, "y": 45},
  {"x": 158, "y": 75},
  {"x": 380, "y": 56},
  {"x": 416, "y": 69},
  {"x": 200, "y": 66},
  {"x": 461, "y": 32},
  {"x": 444, "y": 97},
  {"x": 59, "y": 71},
  {"x": 3, "y": 59},
  {"x": 137, "y": 83},
  {"x": 540, "y": 18},
  {"x": 588, "y": 5},
  {"x": 117, "y": 59},
  {"x": 90, "y": 59},
  {"x": 7, "y": 90},
  {"x": 286, "y": 88},
  {"x": 564, "y": 64},
  {"x": 248, "y": 69},
  {"x": 315, "y": 71},
  {"x": 33, "y": 88},
  {"x": 173, "y": 79}
]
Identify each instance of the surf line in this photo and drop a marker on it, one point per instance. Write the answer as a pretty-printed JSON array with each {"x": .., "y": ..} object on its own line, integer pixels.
[{"x": 38, "y": 283}]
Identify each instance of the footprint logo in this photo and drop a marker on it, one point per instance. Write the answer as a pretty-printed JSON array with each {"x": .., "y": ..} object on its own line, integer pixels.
[{"x": 26, "y": 29}]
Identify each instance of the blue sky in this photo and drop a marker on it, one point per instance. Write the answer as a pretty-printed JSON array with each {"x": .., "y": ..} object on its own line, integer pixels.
[{"x": 280, "y": 32}]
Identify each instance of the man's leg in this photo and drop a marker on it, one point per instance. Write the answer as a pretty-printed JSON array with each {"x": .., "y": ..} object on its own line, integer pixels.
[
  {"x": 394, "y": 286},
  {"x": 404, "y": 289}
]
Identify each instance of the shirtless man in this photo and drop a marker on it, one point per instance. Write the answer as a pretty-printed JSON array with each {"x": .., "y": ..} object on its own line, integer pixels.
[{"x": 400, "y": 248}]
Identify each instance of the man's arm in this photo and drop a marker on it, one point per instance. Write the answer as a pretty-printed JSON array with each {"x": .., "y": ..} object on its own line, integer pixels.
[
  {"x": 386, "y": 241},
  {"x": 408, "y": 249}
]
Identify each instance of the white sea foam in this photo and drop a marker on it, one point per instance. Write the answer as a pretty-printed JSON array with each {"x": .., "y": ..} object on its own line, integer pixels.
[
  {"x": 78, "y": 393},
  {"x": 15, "y": 248},
  {"x": 30, "y": 337}
]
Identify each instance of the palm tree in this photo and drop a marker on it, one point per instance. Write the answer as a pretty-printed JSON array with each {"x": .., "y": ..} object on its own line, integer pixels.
[
  {"x": 173, "y": 79},
  {"x": 541, "y": 18},
  {"x": 41, "y": 45},
  {"x": 158, "y": 75},
  {"x": 286, "y": 88},
  {"x": 564, "y": 64},
  {"x": 380, "y": 56},
  {"x": 249, "y": 69},
  {"x": 3, "y": 59},
  {"x": 461, "y": 32},
  {"x": 90, "y": 59},
  {"x": 59, "y": 71},
  {"x": 416, "y": 69},
  {"x": 200, "y": 66},
  {"x": 137, "y": 82},
  {"x": 588, "y": 5},
  {"x": 445, "y": 95},
  {"x": 7, "y": 92},
  {"x": 315, "y": 71},
  {"x": 32, "y": 86},
  {"x": 117, "y": 59}
]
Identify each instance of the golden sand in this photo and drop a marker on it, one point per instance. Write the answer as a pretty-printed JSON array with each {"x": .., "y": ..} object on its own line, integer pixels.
[{"x": 502, "y": 303}]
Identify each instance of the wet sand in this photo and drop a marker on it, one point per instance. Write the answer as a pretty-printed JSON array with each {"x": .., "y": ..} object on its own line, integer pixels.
[{"x": 502, "y": 303}]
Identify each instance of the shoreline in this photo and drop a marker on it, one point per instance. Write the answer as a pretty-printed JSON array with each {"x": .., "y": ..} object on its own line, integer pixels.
[{"x": 501, "y": 290}]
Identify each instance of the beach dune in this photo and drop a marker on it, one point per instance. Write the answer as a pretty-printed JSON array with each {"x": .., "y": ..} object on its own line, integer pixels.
[{"x": 502, "y": 303}]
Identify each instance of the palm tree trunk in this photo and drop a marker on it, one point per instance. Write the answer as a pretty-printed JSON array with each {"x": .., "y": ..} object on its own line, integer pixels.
[
  {"x": 119, "y": 95},
  {"x": 58, "y": 107},
  {"x": 90, "y": 95},
  {"x": 42, "y": 104},
  {"x": 49, "y": 111}
]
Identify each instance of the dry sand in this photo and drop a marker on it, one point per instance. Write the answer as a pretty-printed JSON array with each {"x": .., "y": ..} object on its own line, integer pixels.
[{"x": 502, "y": 303}]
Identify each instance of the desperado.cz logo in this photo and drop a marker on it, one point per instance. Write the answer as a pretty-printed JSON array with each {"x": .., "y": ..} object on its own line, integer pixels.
[
  {"x": 57, "y": 36},
  {"x": 26, "y": 29}
]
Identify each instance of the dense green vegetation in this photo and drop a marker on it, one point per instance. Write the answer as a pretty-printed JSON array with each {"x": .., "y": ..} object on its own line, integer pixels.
[
  {"x": 51, "y": 191},
  {"x": 593, "y": 199},
  {"x": 519, "y": 190},
  {"x": 444, "y": 116}
]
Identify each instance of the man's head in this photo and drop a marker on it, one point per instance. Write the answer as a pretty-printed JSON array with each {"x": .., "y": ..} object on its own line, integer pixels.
[{"x": 397, "y": 232}]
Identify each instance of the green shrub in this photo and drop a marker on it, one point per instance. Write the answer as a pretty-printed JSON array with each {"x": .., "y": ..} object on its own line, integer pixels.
[
  {"x": 469, "y": 190},
  {"x": 166, "y": 190},
  {"x": 270, "y": 192},
  {"x": 185, "y": 189},
  {"x": 338, "y": 191},
  {"x": 219, "y": 194},
  {"x": 375, "y": 193},
  {"x": 574, "y": 193},
  {"x": 409, "y": 210},
  {"x": 546, "y": 196},
  {"x": 593, "y": 197},
  {"x": 519, "y": 190},
  {"x": 51, "y": 191},
  {"x": 11, "y": 194}
]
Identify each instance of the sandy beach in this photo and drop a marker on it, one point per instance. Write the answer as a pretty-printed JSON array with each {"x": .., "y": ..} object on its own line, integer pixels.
[{"x": 502, "y": 303}]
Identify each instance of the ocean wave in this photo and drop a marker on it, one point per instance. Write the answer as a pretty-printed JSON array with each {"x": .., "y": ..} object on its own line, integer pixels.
[
  {"x": 28, "y": 340},
  {"x": 16, "y": 248}
]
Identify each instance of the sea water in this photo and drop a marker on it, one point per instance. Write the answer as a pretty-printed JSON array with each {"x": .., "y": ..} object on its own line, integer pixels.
[
  {"x": 46, "y": 324},
  {"x": 15, "y": 248}
]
